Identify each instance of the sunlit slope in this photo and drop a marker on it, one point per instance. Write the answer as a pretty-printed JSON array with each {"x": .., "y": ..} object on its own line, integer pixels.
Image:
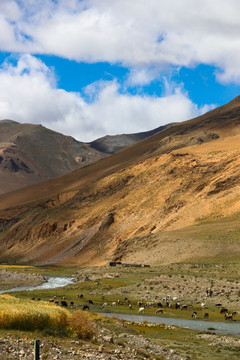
[{"x": 144, "y": 203}]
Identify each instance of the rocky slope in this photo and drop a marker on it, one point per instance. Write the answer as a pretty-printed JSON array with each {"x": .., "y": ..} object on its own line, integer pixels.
[{"x": 174, "y": 196}]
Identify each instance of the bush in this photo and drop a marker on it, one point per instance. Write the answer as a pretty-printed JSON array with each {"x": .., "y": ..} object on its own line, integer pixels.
[{"x": 81, "y": 326}]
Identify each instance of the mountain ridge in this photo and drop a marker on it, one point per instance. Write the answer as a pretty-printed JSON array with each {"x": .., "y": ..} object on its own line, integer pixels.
[{"x": 31, "y": 153}]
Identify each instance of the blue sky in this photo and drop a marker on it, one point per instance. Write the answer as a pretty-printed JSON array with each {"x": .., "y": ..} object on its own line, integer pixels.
[{"x": 88, "y": 68}]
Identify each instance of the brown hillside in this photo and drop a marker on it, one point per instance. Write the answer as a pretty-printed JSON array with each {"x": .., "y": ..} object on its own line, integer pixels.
[
  {"x": 31, "y": 153},
  {"x": 171, "y": 197}
]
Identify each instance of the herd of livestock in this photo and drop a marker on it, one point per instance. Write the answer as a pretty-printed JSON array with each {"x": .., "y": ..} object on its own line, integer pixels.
[{"x": 141, "y": 306}]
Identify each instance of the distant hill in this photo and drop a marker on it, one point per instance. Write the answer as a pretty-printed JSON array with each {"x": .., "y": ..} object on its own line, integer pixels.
[
  {"x": 112, "y": 143},
  {"x": 171, "y": 197},
  {"x": 31, "y": 153}
]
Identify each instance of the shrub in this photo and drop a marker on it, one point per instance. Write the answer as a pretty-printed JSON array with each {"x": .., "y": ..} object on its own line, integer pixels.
[{"x": 81, "y": 326}]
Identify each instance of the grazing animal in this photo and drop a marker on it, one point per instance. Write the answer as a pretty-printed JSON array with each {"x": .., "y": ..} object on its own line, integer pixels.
[
  {"x": 141, "y": 310},
  {"x": 149, "y": 304},
  {"x": 159, "y": 305},
  {"x": 228, "y": 316},
  {"x": 64, "y": 303},
  {"x": 194, "y": 315},
  {"x": 90, "y": 302},
  {"x": 223, "y": 311},
  {"x": 159, "y": 311},
  {"x": 140, "y": 303},
  {"x": 130, "y": 306},
  {"x": 114, "y": 303},
  {"x": 184, "y": 307},
  {"x": 177, "y": 306},
  {"x": 105, "y": 304},
  {"x": 206, "y": 316},
  {"x": 218, "y": 305},
  {"x": 85, "y": 307},
  {"x": 71, "y": 303}
]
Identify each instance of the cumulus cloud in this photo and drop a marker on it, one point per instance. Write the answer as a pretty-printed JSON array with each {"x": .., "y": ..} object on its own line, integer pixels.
[
  {"x": 137, "y": 33},
  {"x": 29, "y": 94}
]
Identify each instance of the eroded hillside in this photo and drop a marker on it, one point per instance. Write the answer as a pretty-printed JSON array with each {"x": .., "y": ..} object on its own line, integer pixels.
[{"x": 174, "y": 196}]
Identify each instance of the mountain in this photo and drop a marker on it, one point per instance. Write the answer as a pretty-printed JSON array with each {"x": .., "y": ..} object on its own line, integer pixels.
[
  {"x": 174, "y": 196},
  {"x": 31, "y": 153},
  {"x": 110, "y": 144}
]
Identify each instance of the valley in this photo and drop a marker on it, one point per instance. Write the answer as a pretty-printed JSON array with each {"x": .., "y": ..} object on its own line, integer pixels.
[
  {"x": 170, "y": 201},
  {"x": 100, "y": 288}
]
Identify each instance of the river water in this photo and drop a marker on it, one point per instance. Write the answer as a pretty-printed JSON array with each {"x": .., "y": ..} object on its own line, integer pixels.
[
  {"x": 51, "y": 283},
  {"x": 225, "y": 328}
]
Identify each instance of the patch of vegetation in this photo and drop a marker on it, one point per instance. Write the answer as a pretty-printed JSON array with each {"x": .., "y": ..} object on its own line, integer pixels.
[
  {"x": 26, "y": 316},
  {"x": 49, "y": 319},
  {"x": 81, "y": 326}
]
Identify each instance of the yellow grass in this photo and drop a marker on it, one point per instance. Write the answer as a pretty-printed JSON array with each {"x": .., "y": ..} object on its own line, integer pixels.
[
  {"x": 6, "y": 266},
  {"x": 28, "y": 315}
]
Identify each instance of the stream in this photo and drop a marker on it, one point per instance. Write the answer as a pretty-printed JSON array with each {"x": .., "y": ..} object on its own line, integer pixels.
[
  {"x": 51, "y": 283},
  {"x": 224, "y": 328}
]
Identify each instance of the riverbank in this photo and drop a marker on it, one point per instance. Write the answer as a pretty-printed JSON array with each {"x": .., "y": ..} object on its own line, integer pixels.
[{"x": 10, "y": 279}]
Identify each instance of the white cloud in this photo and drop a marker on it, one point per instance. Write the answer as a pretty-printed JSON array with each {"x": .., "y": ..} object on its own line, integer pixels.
[
  {"x": 10, "y": 9},
  {"x": 138, "y": 33},
  {"x": 28, "y": 93},
  {"x": 142, "y": 76}
]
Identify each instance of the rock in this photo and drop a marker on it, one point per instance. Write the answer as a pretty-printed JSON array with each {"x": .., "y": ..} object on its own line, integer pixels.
[{"x": 108, "y": 338}]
